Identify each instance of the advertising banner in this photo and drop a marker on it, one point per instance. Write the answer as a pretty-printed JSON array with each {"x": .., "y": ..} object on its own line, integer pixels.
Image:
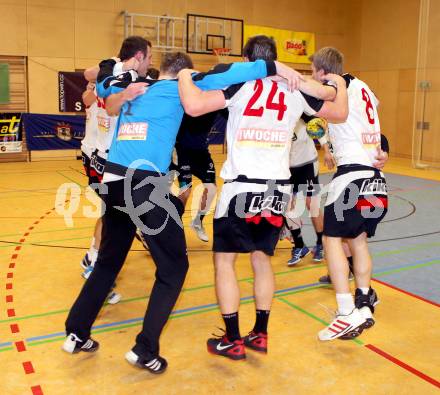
[
  {"x": 11, "y": 139},
  {"x": 292, "y": 47},
  {"x": 53, "y": 132}
]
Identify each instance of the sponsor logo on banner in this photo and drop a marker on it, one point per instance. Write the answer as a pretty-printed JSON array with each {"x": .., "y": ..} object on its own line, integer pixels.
[
  {"x": 133, "y": 131},
  {"x": 10, "y": 132},
  {"x": 262, "y": 137},
  {"x": 64, "y": 131},
  {"x": 296, "y": 47},
  {"x": 292, "y": 47}
]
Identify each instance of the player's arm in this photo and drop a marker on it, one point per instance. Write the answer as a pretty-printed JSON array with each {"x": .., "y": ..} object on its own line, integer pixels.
[
  {"x": 91, "y": 74},
  {"x": 329, "y": 159},
  {"x": 336, "y": 111},
  {"x": 114, "y": 102},
  {"x": 225, "y": 75},
  {"x": 109, "y": 83},
  {"x": 318, "y": 90},
  {"x": 88, "y": 96},
  {"x": 382, "y": 153},
  {"x": 195, "y": 101}
]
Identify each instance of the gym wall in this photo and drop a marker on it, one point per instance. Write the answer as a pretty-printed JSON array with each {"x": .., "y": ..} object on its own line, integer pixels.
[{"x": 378, "y": 39}]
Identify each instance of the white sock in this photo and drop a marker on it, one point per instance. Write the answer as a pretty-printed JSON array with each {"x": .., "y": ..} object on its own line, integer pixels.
[
  {"x": 364, "y": 290},
  {"x": 93, "y": 255},
  {"x": 345, "y": 303}
]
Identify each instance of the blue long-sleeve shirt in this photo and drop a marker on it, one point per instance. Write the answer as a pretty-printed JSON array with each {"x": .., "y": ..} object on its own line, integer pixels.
[{"x": 148, "y": 125}]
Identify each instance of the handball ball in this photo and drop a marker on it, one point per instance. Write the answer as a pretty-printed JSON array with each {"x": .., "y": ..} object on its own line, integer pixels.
[{"x": 317, "y": 128}]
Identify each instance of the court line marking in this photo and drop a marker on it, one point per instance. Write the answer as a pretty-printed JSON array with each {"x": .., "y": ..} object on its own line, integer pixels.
[
  {"x": 371, "y": 347},
  {"x": 403, "y": 365},
  {"x": 382, "y": 272},
  {"x": 407, "y": 292},
  {"x": 278, "y": 293}
]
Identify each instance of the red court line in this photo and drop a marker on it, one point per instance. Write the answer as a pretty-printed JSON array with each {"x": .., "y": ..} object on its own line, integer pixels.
[
  {"x": 403, "y": 365},
  {"x": 22, "y": 240},
  {"x": 11, "y": 313},
  {"x": 14, "y": 256},
  {"x": 18, "y": 248},
  {"x": 406, "y": 292},
  {"x": 14, "y": 328},
  {"x": 20, "y": 346},
  {"x": 9, "y": 298},
  {"x": 9, "y": 286},
  {"x": 10, "y": 275},
  {"x": 28, "y": 368},
  {"x": 36, "y": 390},
  {"x": 26, "y": 234},
  {"x": 11, "y": 265}
]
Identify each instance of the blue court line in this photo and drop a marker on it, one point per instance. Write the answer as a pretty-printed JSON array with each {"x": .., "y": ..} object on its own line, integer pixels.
[
  {"x": 405, "y": 266},
  {"x": 206, "y": 306},
  {"x": 175, "y": 312},
  {"x": 7, "y": 344}
]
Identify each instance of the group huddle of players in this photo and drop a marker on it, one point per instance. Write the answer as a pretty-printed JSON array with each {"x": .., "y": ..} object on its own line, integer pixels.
[{"x": 137, "y": 116}]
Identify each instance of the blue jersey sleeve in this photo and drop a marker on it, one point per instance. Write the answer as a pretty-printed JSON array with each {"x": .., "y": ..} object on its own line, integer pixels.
[{"x": 224, "y": 75}]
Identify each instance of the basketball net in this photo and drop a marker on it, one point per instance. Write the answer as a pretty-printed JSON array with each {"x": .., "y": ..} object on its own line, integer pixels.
[{"x": 222, "y": 55}]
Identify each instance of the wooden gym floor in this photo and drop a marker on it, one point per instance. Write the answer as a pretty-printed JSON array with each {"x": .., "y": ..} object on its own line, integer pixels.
[{"x": 40, "y": 278}]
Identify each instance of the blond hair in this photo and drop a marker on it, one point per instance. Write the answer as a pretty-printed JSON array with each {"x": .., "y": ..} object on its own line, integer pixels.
[{"x": 328, "y": 59}]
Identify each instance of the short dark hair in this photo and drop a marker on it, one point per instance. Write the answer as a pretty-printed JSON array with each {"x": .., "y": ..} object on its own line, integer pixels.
[
  {"x": 131, "y": 45},
  {"x": 260, "y": 47},
  {"x": 153, "y": 73},
  {"x": 328, "y": 59},
  {"x": 173, "y": 62}
]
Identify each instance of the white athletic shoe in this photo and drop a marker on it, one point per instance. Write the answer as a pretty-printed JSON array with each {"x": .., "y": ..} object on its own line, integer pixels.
[
  {"x": 113, "y": 297},
  {"x": 73, "y": 344},
  {"x": 349, "y": 326},
  {"x": 200, "y": 231}
]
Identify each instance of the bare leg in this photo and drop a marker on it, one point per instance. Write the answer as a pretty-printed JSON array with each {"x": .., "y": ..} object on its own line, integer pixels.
[
  {"x": 362, "y": 260},
  {"x": 312, "y": 204},
  {"x": 264, "y": 282},
  {"x": 226, "y": 285},
  {"x": 337, "y": 264},
  {"x": 97, "y": 233}
]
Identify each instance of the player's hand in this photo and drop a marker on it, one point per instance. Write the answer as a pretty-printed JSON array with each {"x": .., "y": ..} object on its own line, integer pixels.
[
  {"x": 293, "y": 78},
  {"x": 335, "y": 78},
  {"x": 91, "y": 86},
  {"x": 381, "y": 159},
  {"x": 130, "y": 64},
  {"x": 134, "y": 90},
  {"x": 185, "y": 72},
  {"x": 329, "y": 160}
]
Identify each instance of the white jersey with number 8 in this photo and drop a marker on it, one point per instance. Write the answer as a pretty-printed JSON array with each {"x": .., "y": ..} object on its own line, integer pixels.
[{"x": 356, "y": 141}]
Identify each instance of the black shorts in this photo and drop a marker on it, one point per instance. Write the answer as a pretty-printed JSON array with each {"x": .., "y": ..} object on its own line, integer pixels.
[
  {"x": 252, "y": 222},
  {"x": 90, "y": 173},
  {"x": 305, "y": 179},
  {"x": 97, "y": 165},
  {"x": 356, "y": 202},
  {"x": 197, "y": 162}
]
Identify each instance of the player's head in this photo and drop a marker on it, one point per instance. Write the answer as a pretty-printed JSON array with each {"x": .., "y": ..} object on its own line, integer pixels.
[
  {"x": 139, "y": 48},
  {"x": 173, "y": 62},
  {"x": 153, "y": 73},
  {"x": 326, "y": 60},
  {"x": 260, "y": 47}
]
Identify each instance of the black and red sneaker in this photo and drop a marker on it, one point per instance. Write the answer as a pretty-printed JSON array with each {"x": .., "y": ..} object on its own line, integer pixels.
[
  {"x": 256, "y": 341},
  {"x": 222, "y": 346}
]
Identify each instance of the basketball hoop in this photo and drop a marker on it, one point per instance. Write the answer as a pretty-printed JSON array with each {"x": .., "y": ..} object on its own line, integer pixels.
[{"x": 222, "y": 54}]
